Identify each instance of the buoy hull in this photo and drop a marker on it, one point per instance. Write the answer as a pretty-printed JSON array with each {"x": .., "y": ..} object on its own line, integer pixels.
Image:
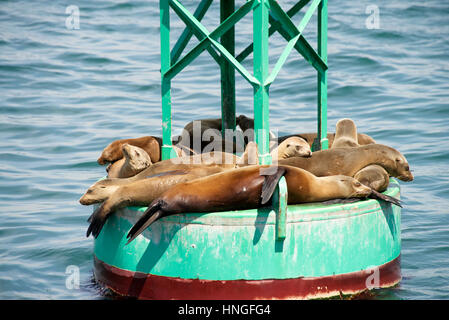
[{"x": 328, "y": 250}]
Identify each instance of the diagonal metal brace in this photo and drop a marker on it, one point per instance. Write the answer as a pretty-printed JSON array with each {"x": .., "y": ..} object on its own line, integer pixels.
[
  {"x": 286, "y": 21},
  {"x": 210, "y": 38}
]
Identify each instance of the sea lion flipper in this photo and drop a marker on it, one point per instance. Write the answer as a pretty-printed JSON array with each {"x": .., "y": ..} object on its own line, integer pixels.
[
  {"x": 270, "y": 183},
  {"x": 153, "y": 213},
  {"x": 377, "y": 195},
  {"x": 97, "y": 220}
]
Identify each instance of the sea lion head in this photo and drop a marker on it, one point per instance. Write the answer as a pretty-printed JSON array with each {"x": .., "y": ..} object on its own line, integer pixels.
[
  {"x": 396, "y": 164},
  {"x": 295, "y": 147},
  {"x": 137, "y": 158},
  {"x": 244, "y": 122},
  {"x": 350, "y": 187},
  {"x": 97, "y": 193}
]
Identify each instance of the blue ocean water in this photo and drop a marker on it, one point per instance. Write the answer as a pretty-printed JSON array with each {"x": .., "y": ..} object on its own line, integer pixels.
[{"x": 66, "y": 92}]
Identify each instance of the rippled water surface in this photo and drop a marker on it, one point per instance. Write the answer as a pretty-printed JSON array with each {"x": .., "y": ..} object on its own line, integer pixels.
[{"x": 66, "y": 93}]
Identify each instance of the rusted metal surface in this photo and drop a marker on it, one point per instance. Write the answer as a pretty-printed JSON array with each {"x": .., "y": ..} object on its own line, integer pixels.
[{"x": 147, "y": 286}]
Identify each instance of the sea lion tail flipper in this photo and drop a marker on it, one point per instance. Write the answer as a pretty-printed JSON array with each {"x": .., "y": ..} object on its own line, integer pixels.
[
  {"x": 270, "y": 183},
  {"x": 153, "y": 213},
  {"x": 377, "y": 195}
]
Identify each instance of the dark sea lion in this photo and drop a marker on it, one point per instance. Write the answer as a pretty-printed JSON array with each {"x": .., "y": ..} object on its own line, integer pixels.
[
  {"x": 134, "y": 160},
  {"x": 206, "y": 132},
  {"x": 246, "y": 188},
  {"x": 246, "y": 123},
  {"x": 113, "y": 152},
  {"x": 348, "y": 161}
]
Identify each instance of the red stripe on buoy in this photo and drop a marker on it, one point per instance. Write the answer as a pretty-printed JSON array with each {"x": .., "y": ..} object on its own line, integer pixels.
[{"x": 149, "y": 286}]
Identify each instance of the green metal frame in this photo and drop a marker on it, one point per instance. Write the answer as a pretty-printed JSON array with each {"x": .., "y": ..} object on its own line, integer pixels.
[{"x": 268, "y": 17}]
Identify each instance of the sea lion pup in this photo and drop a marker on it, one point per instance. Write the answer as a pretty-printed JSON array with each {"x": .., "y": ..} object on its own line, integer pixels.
[
  {"x": 373, "y": 176},
  {"x": 291, "y": 147},
  {"x": 348, "y": 161},
  {"x": 246, "y": 188},
  {"x": 134, "y": 160}
]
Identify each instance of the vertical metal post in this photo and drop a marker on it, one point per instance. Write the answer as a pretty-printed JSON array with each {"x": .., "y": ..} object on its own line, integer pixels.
[
  {"x": 227, "y": 8},
  {"x": 260, "y": 66},
  {"x": 321, "y": 142},
  {"x": 166, "y": 82}
]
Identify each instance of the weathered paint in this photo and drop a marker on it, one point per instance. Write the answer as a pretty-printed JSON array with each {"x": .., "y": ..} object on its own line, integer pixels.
[
  {"x": 147, "y": 286},
  {"x": 321, "y": 241}
]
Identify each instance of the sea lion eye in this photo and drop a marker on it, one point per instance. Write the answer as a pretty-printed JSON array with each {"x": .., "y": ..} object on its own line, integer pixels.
[
  {"x": 407, "y": 168},
  {"x": 357, "y": 184},
  {"x": 288, "y": 146}
]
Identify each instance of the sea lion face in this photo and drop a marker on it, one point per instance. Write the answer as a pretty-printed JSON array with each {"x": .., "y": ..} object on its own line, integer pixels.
[
  {"x": 297, "y": 148},
  {"x": 397, "y": 166},
  {"x": 138, "y": 159},
  {"x": 352, "y": 188},
  {"x": 403, "y": 169},
  {"x": 96, "y": 194}
]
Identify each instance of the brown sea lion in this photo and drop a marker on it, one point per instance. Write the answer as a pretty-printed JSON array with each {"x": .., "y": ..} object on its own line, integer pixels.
[
  {"x": 373, "y": 176},
  {"x": 246, "y": 188},
  {"x": 113, "y": 152},
  {"x": 348, "y": 161},
  {"x": 134, "y": 160}
]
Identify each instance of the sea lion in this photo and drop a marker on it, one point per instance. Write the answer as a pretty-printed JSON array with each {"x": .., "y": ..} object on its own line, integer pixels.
[
  {"x": 348, "y": 161},
  {"x": 246, "y": 123},
  {"x": 373, "y": 176},
  {"x": 134, "y": 160},
  {"x": 139, "y": 193},
  {"x": 102, "y": 189},
  {"x": 246, "y": 188},
  {"x": 206, "y": 163},
  {"x": 363, "y": 139},
  {"x": 207, "y": 135},
  {"x": 114, "y": 152},
  {"x": 291, "y": 147}
]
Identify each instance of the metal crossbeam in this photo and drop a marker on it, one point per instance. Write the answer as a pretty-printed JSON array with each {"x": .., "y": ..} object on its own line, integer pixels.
[
  {"x": 210, "y": 38},
  {"x": 187, "y": 33},
  {"x": 288, "y": 30},
  {"x": 285, "y": 20}
]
